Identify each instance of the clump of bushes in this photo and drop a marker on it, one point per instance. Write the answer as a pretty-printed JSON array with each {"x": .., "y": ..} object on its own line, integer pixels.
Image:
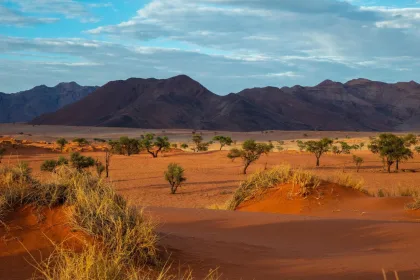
[
  {"x": 81, "y": 141},
  {"x": 415, "y": 205},
  {"x": 50, "y": 165}
]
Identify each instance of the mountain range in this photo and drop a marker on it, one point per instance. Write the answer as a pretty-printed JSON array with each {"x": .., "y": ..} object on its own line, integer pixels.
[
  {"x": 26, "y": 105},
  {"x": 181, "y": 102}
]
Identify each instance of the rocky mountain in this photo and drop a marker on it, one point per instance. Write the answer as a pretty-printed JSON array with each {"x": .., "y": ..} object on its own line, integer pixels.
[
  {"x": 181, "y": 102},
  {"x": 26, "y": 105}
]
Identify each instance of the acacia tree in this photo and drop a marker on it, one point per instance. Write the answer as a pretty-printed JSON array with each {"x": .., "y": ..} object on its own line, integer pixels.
[
  {"x": 390, "y": 148},
  {"x": 200, "y": 146},
  {"x": 250, "y": 152},
  {"x": 318, "y": 148},
  {"x": 61, "y": 143},
  {"x": 154, "y": 145},
  {"x": 223, "y": 140}
]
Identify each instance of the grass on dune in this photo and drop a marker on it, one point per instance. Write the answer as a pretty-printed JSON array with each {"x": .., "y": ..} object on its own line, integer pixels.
[
  {"x": 260, "y": 181},
  {"x": 123, "y": 242}
]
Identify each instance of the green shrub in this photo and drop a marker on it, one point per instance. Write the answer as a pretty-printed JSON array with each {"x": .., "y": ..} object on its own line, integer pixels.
[
  {"x": 175, "y": 176},
  {"x": 250, "y": 152},
  {"x": 81, "y": 162}
]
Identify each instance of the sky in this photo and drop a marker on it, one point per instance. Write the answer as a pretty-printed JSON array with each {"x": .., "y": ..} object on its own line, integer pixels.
[{"x": 226, "y": 45}]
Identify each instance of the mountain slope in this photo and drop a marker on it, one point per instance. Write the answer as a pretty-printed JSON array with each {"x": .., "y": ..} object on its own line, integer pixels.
[
  {"x": 26, "y": 105},
  {"x": 181, "y": 102}
]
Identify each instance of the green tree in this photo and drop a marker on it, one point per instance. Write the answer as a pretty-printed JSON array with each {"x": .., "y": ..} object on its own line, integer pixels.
[
  {"x": 128, "y": 146},
  {"x": 250, "y": 152},
  {"x": 154, "y": 145},
  {"x": 175, "y": 176},
  {"x": 81, "y": 162},
  {"x": 301, "y": 145},
  {"x": 223, "y": 140},
  {"x": 318, "y": 148},
  {"x": 61, "y": 143},
  {"x": 358, "y": 161},
  {"x": 174, "y": 146},
  {"x": 390, "y": 148},
  {"x": 361, "y": 145},
  {"x": 2, "y": 152},
  {"x": 184, "y": 146},
  {"x": 200, "y": 146}
]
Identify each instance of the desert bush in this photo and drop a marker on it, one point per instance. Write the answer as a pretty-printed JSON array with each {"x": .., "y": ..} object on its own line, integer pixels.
[
  {"x": 358, "y": 161},
  {"x": 50, "y": 165},
  {"x": 250, "y": 152},
  {"x": 174, "y": 146},
  {"x": 154, "y": 145},
  {"x": 15, "y": 175},
  {"x": 417, "y": 149},
  {"x": 175, "y": 176},
  {"x": 184, "y": 146},
  {"x": 61, "y": 143},
  {"x": 81, "y": 162},
  {"x": 318, "y": 148},
  {"x": 301, "y": 145},
  {"x": 223, "y": 140}
]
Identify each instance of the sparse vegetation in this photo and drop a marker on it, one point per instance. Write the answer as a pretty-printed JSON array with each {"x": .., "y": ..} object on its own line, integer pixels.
[
  {"x": 99, "y": 140},
  {"x": 223, "y": 140},
  {"x": 318, "y": 148},
  {"x": 358, "y": 161},
  {"x": 61, "y": 143},
  {"x": 175, "y": 176},
  {"x": 184, "y": 146},
  {"x": 250, "y": 152},
  {"x": 154, "y": 145}
]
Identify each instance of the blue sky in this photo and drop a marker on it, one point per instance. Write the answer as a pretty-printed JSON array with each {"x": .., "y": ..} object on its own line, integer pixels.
[{"x": 227, "y": 45}]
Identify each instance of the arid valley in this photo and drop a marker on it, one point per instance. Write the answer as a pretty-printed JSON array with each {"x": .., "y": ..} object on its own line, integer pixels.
[{"x": 336, "y": 232}]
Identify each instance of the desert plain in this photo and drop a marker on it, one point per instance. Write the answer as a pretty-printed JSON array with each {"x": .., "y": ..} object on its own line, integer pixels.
[{"x": 340, "y": 233}]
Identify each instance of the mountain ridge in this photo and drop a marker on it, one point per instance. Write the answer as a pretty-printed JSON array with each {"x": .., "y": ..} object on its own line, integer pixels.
[{"x": 181, "y": 102}]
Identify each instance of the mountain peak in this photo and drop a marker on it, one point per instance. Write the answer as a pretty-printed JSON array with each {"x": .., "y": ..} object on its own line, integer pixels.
[
  {"x": 68, "y": 85},
  {"x": 359, "y": 81},
  {"x": 327, "y": 83}
]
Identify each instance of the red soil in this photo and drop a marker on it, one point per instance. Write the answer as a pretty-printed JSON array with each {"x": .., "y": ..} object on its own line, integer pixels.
[
  {"x": 331, "y": 200},
  {"x": 29, "y": 237}
]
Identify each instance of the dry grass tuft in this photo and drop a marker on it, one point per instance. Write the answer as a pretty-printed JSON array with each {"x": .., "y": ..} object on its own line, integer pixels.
[
  {"x": 347, "y": 180},
  {"x": 260, "y": 181},
  {"x": 415, "y": 205}
]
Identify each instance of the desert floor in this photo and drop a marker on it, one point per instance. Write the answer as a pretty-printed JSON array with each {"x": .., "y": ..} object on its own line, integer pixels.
[{"x": 354, "y": 238}]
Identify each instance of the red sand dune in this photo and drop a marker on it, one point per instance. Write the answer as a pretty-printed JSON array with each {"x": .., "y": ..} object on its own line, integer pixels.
[{"x": 29, "y": 238}]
